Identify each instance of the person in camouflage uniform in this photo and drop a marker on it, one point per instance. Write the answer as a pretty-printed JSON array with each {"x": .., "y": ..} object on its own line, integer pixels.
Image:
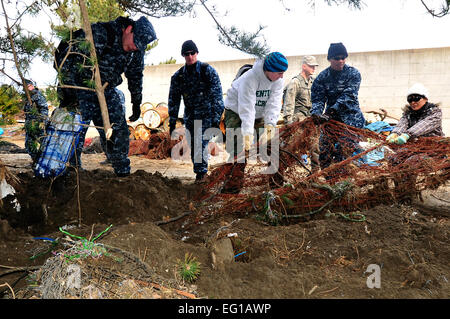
[
  {"x": 105, "y": 144},
  {"x": 120, "y": 47},
  {"x": 36, "y": 116},
  {"x": 334, "y": 95},
  {"x": 199, "y": 85},
  {"x": 297, "y": 101}
]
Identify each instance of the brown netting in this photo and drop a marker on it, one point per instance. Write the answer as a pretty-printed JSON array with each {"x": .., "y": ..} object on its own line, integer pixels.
[
  {"x": 158, "y": 146},
  {"x": 369, "y": 173}
]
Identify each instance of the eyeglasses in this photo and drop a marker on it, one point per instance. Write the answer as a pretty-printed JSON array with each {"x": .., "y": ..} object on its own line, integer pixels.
[
  {"x": 337, "y": 58},
  {"x": 414, "y": 98},
  {"x": 189, "y": 53}
]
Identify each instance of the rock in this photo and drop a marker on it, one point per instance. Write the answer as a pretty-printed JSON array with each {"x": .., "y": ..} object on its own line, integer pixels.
[
  {"x": 222, "y": 253},
  {"x": 6, "y": 231}
]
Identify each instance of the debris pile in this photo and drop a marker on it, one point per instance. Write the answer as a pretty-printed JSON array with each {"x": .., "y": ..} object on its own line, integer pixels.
[
  {"x": 85, "y": 269},
  {"x": 370, "y": 172}
]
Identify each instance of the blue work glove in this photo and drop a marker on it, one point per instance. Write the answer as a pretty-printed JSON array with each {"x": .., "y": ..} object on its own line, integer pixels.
[
  {"x": 402, "y": 139},
  {"x": 391, "y": 138}
]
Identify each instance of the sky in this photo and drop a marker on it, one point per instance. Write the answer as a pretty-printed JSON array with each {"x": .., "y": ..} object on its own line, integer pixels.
[{"x": 380, "y": 25}]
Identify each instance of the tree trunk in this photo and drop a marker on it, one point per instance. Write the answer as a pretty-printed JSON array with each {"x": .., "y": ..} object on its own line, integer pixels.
[{"x": 99, "y": 89}]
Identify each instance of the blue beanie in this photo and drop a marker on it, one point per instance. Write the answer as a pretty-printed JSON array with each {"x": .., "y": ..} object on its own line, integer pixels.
[
  {"x": 275, "y": 62},
  {"x": 143, "y": 33}
]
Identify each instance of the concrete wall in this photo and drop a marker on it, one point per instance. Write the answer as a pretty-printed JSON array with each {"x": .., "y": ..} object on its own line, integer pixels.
[{"x": 386, "y": 77}]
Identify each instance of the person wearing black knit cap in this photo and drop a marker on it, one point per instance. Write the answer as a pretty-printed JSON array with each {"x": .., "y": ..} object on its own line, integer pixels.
[
  {"x": 199, "y": 85},
  {"x": 36, "y": 116},
  {"x": 334, "y": 95}
]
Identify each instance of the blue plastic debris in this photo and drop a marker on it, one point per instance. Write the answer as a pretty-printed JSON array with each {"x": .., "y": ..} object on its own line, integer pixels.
[{"x": 59, "y": 143}]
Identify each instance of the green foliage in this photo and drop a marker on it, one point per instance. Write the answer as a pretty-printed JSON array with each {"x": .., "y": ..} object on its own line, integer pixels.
[
  {"x": 158, "y": 8},
  {"x": 172, "y": 60},
  {"x": 34, "y": 129},
  {"x": 98, "y": 11},
  {"x": 89, "y": 83},
  {"x": 189, "y": 268},
  {"x": 244, "y": 41},
  {"x": 10, "y": 104},
  {"x": 51, "y": 95}
]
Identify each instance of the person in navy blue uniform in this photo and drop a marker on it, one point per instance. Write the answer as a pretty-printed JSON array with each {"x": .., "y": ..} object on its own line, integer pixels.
[
  {"x": 36, "y": 116},
  {"x": 120, "y": 47},
  {"x": 334, "y": 95},
  {"x": 199, "y": 85}
]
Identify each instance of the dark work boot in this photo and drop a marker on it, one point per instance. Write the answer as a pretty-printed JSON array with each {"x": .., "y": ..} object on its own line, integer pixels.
[
  {"x": 123, "y": 174},
  {"x": 199, "y": 178}
]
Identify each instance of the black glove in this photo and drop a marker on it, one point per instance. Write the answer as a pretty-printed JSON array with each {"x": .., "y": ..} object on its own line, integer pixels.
[
  {"x": 320, "y": 119},
  {"x": 136, "y": 112}
]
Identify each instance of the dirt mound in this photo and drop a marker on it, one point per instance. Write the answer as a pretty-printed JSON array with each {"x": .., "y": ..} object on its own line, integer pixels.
[{"x": 95, "y": 196}]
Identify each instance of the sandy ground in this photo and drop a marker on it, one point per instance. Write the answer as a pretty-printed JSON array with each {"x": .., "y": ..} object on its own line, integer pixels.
[{"x": 325, "y": 257}]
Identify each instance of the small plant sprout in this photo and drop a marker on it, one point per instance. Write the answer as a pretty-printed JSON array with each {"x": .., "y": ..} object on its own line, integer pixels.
[{"x": 189, "y": 268}]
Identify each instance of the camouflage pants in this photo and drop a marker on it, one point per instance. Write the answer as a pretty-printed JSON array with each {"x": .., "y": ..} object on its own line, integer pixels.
[
  {"x": 314, "y": 150},
  {"x": 335, "y": 149},
  {"x": 118, "y": 146},
  {"x": 34, "y": 133},
  {"x": 198, "y": 144}
]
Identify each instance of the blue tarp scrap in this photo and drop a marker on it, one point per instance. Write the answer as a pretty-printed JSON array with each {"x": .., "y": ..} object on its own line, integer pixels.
[{"x": 379, "y": 126}]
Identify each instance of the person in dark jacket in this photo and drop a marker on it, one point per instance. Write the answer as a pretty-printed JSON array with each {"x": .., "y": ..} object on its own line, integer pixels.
[
  {"x": 120, "y": 47},
  {"x": 36, "y": 116},
  {"x": 199, "y": 85},
  {"x": 334, "y": 95},
  {"x": 420, "y": 117}
]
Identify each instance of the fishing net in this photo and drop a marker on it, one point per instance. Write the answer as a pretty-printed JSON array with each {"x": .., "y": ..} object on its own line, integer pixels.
[
  {"x": 158, "y": 146},
  {"x": 364, "y": 171}
]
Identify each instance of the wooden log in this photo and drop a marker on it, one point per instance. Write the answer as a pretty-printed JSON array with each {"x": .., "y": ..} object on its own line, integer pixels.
[
  {"x": 146, "y": 106},
  {"x": 142, "y": 132},
  {"x": 132, "y": 133},
  {"x": 153, "y": 118}
]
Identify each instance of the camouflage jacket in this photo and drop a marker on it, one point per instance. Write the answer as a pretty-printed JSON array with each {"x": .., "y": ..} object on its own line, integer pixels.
[
  {"x": 200, "y": 87},
  {"x": 297, "y": 98},
  {"x": 337, "y": 93},
  {"x": 40, "y": 112},
  {"x": 112, "y": 60},
  {"x": 424, "y": 122}
]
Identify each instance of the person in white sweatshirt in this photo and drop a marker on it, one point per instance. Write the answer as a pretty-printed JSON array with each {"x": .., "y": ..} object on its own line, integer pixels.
[{"x": 253, "y": 101}]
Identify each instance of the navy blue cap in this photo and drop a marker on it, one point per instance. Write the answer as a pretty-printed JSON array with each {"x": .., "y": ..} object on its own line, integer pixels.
[
  {"x": 143, "y": 33},
  {"x": 337, "y": 49}
]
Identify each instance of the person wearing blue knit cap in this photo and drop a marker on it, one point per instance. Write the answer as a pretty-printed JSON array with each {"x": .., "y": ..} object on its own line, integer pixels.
[{"x": 254, "y": 101}]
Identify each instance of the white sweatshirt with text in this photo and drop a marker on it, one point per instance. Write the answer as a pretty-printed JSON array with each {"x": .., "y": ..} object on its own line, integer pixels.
[{"x": 254, "y": 96}]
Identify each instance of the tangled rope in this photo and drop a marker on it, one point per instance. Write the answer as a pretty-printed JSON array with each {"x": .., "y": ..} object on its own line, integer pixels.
[{"x": 367, "y": 172}]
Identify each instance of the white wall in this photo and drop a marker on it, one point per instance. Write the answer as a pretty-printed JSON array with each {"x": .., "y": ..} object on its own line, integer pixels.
[{"x": 386, "y": 77}]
